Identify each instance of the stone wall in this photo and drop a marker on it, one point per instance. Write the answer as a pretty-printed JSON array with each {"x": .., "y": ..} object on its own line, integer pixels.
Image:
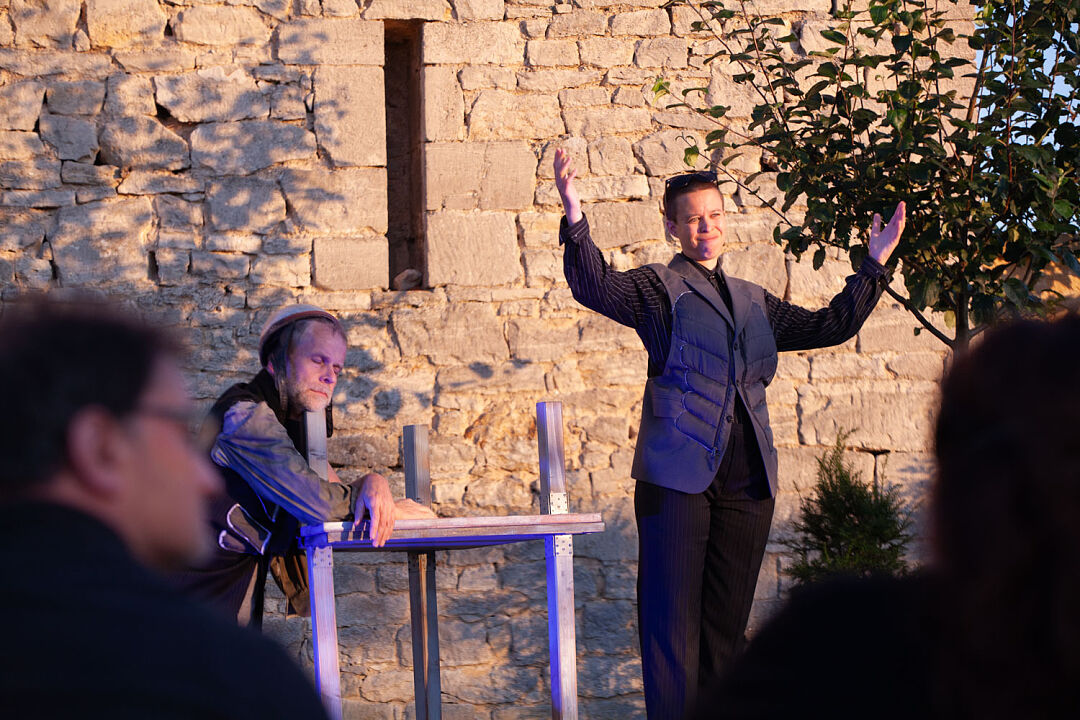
[{"x": 210, "y": 162}]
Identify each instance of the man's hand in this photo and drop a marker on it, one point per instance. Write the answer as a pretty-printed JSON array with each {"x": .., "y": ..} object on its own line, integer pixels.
[
  {"x": 565, "y": 172},
  {"x": 883, "y": 242},
  {"x": 374, "y": 499}
]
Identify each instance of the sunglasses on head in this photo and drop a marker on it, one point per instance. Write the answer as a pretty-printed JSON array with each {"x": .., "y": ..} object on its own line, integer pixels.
[{"x": 678, "y": 182}]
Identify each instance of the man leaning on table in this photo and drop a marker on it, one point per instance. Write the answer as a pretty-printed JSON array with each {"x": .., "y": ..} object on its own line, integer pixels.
[
  {"x": 270, "y": 490},
  {"x": 705, "y": 464}
]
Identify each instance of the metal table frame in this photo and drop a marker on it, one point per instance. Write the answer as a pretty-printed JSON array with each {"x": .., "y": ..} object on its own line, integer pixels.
[{"x": 421, "y": 538}]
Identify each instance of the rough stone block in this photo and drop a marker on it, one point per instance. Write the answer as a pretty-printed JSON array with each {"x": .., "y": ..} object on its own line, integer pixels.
[
  {"x": 472, "y": 249},
  {"x": 90, "y": 66},
  {"x": 93, "y": 194},
  {"x": 129, "y": 95},
  {"x": 75, "y": 98},
  {"x": 917, "y": 365},
  {"x": 233, "y": 242},
  {"x": 19, "y": 145},
  {"x": 577, "y": 23},
  {"x": 172, "y": 265},
  {"x": 499, "y": 115},
  {"x": 20, "y": 105},
  {"x": 245, "y": 204},
  {"x": 485, "y": 77},
  {"x": 551, "y": 81},
  {"x": 468, "y": 10},
  {"x": 220, "y": 25},
  {"x": 831, "y": 367},
  {"x": 211, "y": 95},
  {"x": 287, "y": 103},
  {"x": 572, "y": 144},
  {"x": 611, "y": 156},
  {"x": 763, "y": 264},
  {"x": 641, "y": 22},
  {"x": 814, "y": 288},
  {"x": 102, "y": 241},
  {"x": 891, "y": 328},
  {"x": 120, "y": 23},
  {"x": 407, "y": 10},
  {"x": 480, "y": 43},
  {"x": 443, "y": 114},
  {"x": 331, "y": 42},
  {"x": 538, "y": 229},
  {"x": 618, "y": 224},
  {"x": 242, "y": 147},
  {"x": 896, "y": 415},
  {"x": 144, "y": 143},
  {"x": 284, "y": 270},
  {"x": 669, "y": 53},
  {"x": 492, "y": 176},
  {"x": 72, "y": 138},
  {"x": 606, "y": 121},
  {"x": 33, "y": 272},
  {"x": 163, "y": 59},
  {"x": 352, "y": 263},
  {"x": 45, "y": 23},
  {"x": 20, "y": 229},
  {"x": 594, "y": 189},
  {"x": 543, "y": 267},
  {"x": 540, "y": 53},
  {"x": 465, "y": 334},
  {"x": 584, "y": 97},
  {"x": 220, "y": 266},
  {"x": 152, "y": 182},
  {"x": 540, "y": 340},
  {"x": 605, "y": 52},
  {"x": 350, "y": 115},
  {"x": 175, "y": 213},
  {"x": 37, "y": 198},
  {"x": 630, "y": 97},
  {"x": 39, "y": 173},
  {"x": 346, "y": 201},
  {"x": 739, "y": 98},
  {"x": 662, "y": 152}
]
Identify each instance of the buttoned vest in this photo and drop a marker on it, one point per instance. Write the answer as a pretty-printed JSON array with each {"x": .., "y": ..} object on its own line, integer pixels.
[{"x": 688, "y": 409}]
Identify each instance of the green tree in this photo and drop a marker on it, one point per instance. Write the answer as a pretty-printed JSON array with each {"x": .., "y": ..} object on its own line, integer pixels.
[
  {"x": 848, "y": 525},
  {"x": 985, "y": 150}
]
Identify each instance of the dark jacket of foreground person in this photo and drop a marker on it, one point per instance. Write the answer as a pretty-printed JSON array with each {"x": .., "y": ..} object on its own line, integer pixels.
[{"x": 91, "y": 633}]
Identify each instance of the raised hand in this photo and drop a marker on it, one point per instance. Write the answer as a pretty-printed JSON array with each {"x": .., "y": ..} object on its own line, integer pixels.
[
  {"x": 884, "y": 241},
  {"x": 565, "y": 172}
]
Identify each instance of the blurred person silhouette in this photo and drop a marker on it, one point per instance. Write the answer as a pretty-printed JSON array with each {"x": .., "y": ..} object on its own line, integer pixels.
[
  {"x": 991, "y": 628},
  {"x": 102, "y": 489}
]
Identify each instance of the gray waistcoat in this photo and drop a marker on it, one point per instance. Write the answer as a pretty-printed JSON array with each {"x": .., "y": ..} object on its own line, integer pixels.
[{"x": 687, "y": 411}]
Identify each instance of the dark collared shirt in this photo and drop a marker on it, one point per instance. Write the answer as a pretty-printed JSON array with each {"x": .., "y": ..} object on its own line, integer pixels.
[{"x": 637, "y": 298}]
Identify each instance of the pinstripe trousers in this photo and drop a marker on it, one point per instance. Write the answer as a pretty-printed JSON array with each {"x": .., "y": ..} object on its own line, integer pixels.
[{"x": 698, "y": 562}]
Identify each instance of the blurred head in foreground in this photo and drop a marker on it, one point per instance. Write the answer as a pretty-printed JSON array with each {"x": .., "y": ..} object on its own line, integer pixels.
[
  {"x": 97, "y": 417},
  {"x": 1007, "y": 517}
]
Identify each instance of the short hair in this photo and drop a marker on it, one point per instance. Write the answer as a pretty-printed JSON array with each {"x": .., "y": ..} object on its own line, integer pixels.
[
  {"x": 1006, "y": 517},
  {"x": 678, "y": 185},
  {"x": 57, "y": 358}
]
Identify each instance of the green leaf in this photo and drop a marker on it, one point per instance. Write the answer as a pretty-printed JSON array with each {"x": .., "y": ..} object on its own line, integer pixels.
[
  {"x": 819, "y": 258},
  {"x": 879, "y": 14},
  {"x": 897, "y": 118},
  {"x": 834, "y": 36},
  {"x": 691, "y": 155}
]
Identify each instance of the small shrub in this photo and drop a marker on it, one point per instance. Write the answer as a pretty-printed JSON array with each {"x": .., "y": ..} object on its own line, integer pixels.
[{"x": 848, "y": 526}]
